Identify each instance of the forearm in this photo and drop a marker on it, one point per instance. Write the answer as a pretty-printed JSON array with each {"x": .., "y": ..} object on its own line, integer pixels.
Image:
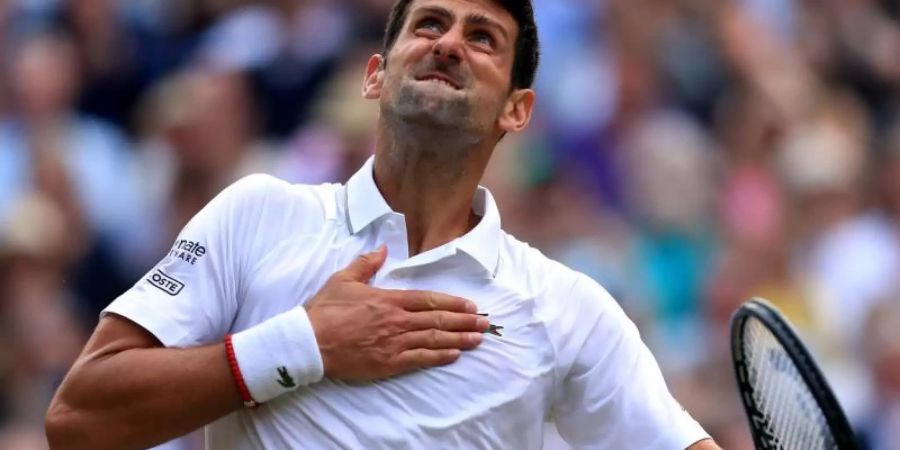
[{"x": 141, "y": 397}]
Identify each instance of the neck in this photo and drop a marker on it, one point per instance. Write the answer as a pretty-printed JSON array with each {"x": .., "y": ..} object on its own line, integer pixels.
[{"x": 431, "y": 179}]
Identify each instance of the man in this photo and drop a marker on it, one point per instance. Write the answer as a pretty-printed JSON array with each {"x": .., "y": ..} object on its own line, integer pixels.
[{"x": 328, "y": 351}]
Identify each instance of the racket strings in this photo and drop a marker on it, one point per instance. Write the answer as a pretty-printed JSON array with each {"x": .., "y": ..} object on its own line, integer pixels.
[{"x": 790, "y": 417}]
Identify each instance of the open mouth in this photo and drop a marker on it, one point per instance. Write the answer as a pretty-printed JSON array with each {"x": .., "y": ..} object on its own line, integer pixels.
[{"x": 440, "y": 79}]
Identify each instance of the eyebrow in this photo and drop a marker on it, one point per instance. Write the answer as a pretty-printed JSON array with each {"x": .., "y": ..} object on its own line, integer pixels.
[
  {"x": 471, "y": 18},
  {"x": 481, "y": 19},
  {"x": 436, "y": 10}
]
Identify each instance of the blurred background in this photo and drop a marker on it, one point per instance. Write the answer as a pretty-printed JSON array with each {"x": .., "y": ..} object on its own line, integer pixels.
[{"x": 687, "y": 154}]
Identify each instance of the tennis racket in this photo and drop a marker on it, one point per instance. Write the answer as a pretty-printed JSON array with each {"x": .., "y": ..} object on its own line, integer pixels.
[{"x": 787, "y": 400}]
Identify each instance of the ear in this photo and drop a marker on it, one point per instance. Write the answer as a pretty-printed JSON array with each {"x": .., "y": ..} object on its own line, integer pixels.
[
  {"x": 374, "y": 77},
  {"x": 517, "y": 111}
]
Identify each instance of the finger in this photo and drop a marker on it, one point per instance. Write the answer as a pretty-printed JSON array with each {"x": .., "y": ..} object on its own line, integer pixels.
[
  {"x": 447, "y": 321},
  {"x": 421, "y": 358},
  {"x": 437, "y": 339},
  {"x": 364, "y": 266},
  {"x": 432, "y": 301}
]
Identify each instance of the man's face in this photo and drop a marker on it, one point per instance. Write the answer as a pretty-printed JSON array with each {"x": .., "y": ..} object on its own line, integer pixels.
[{"x": 450, "y": 66}]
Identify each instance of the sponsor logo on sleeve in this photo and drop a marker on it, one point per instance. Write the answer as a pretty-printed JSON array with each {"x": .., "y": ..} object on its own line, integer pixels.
[
  {"x": 188, "y": 251},
  {"x": 165, "y": 283}
]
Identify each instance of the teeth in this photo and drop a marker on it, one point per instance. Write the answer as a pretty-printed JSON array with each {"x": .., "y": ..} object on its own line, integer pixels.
[{"x": 437, "y": 80}]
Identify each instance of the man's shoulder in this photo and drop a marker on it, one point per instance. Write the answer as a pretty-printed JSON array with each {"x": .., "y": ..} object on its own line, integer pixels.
[
  {"x": 274, "y": 201},
  {"x": 549, "y": 281},
  {"x": 261, "y": 188},
  {"x": 530, "y": 265},
  {"x": 263, "y": 183}
]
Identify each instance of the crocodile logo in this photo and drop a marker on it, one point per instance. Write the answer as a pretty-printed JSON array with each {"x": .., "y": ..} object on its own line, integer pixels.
[{"x": 285, "y": 379}]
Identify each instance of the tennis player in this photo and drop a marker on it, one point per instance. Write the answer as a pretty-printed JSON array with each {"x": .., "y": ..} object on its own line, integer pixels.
[{"x": 265, "y": 325}]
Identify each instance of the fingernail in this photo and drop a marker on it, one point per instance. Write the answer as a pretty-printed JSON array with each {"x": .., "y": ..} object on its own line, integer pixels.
[
  {"x": 482, "y": 323},
  {"x": 471, "y": 307},
  {"x": 475, "y": 338}
]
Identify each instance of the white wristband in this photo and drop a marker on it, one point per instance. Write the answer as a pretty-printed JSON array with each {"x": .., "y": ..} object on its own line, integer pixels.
[{"x": 278, "y": 355}]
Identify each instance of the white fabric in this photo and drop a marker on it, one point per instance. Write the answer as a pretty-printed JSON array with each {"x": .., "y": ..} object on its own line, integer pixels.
[
  {"x": 567, "y": 350},
  {"x": 278, "y": 355}
]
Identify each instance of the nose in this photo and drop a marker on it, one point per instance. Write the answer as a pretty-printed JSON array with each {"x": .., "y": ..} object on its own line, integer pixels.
[{"x": 448, "y": 49}]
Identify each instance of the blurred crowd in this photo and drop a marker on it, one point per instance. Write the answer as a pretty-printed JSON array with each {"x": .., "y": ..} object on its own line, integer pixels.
[{"x": 687, "y": 154}]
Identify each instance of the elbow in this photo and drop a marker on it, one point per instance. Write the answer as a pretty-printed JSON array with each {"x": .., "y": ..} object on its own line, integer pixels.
[{"x": 64, "y": 429}]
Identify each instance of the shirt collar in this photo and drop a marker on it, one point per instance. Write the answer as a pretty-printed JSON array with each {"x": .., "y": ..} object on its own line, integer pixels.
[
  {"x": 365, "y": 204},
  {"x": 483, "y": 241}
]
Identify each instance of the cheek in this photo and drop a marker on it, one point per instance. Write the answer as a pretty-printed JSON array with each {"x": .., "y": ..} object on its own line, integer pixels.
[
  {"x": 408, "y": 54},
  {"x": 392, "y": 77},
  {"x": 494, "y": 73},
  {"x": 493, "y": 92}
]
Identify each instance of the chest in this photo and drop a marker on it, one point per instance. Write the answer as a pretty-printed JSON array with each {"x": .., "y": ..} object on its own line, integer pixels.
[{"x": 500, "y": 388}]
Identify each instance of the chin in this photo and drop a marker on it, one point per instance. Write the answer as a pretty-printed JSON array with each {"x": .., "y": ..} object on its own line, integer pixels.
[
  {"x": 436, "y": 120},
  {"x": 425, "y": 107}
]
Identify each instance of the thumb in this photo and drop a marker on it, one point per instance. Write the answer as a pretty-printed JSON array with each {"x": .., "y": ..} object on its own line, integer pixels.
[{"x": 364, "y": 266}]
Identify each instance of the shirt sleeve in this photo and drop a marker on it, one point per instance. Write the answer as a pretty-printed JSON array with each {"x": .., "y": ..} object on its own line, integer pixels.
[
  {"x": 191, "y": 296},
  {"x": 612, "y": 394}
]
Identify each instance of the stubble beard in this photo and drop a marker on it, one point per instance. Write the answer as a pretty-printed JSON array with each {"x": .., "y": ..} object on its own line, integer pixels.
[
  {"x": 420, "y": 109},
  {"x": 438, "y": 135}
]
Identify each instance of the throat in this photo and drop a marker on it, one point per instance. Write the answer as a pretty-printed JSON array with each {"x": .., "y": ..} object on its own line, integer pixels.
[
  {"x": 425, "y": 233},
  {"x": 435, "y": 200},
  {"x": 425, "y": 167}
]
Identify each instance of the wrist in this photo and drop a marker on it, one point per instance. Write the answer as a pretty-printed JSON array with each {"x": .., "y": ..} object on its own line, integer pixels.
[
  {"x": 278, "y": 355},
  {"x": 246, "y": 397}
]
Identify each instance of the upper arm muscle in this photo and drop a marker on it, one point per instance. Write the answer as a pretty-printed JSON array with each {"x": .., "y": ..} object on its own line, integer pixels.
[{"x": 114, "y": 334}]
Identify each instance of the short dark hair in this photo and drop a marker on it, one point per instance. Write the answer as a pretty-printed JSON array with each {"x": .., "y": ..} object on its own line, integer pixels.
[{"x": 527, "y": 54}]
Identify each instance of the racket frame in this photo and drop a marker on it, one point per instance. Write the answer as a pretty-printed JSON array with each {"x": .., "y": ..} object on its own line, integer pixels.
[{"x": 812, "y": 377}]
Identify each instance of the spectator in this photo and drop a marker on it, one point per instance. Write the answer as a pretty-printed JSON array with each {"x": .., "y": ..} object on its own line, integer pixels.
[
  {"x": 200, "y": 136},
  {"x": 77, "y": 160},
  {"x": 41, "y": 317}
]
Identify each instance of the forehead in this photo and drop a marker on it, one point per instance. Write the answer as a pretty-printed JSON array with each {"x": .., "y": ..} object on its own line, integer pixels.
[{"x": 462, "y": 8}]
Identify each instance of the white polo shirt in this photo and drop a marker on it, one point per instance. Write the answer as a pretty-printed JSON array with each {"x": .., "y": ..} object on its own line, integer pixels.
[{"x": 263, "y": 247}]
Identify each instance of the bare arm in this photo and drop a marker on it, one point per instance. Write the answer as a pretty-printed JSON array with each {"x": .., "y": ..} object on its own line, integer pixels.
[
  {"x": 706, "y": 444},
  {"x": 127, "y": 391}
]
